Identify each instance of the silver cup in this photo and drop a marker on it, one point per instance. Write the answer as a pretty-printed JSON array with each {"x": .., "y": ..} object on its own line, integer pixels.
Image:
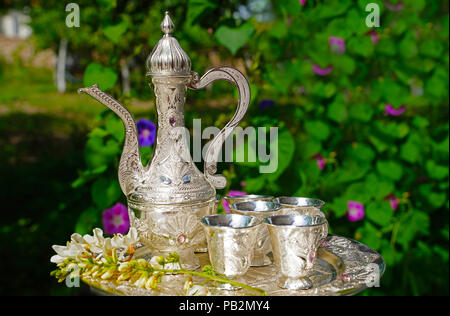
[
  {"x": 231, "y": 239},
  {"x": 300, "y": 205},
  {"x": 261, "y": 210},
  {"x": 247, "y": 198},
  {"x": 295, "y": 240}
]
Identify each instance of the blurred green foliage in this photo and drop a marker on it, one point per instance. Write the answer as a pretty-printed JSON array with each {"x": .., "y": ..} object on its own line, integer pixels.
[{"x": 370, "y": 156}]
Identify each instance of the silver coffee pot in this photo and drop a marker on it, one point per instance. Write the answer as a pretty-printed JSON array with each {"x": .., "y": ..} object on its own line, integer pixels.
[{"x": 167, "y": 198}]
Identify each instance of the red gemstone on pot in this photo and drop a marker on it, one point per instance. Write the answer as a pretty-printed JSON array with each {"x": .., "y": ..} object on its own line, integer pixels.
[{"x": 181, "y": 239}]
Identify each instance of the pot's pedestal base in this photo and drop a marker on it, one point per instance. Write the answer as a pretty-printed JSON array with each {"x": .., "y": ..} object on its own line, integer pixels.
[{"x": 303, "y": 283}]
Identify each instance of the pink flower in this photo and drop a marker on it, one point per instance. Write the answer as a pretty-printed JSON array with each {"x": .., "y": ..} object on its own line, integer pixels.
[
  {"x": 374, "y": 36},
  {"x": 390, "y": 110},
  {"x": 321, "y": 161},
  {"x": 302, "y": 2},
  {"x": 116, "y": 220},
  {"x": 355, "y": 211},
  {"x": 231, "y": 193},
  {"x": 322, "y": 71},
  {"x": 337, "y": 45},
  {"x": 396, "y": 7},
  {"x": 393, "y": 201}
]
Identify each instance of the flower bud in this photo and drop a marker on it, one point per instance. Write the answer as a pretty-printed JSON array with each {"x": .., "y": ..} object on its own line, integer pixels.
[{"x": 124, "y": 266}]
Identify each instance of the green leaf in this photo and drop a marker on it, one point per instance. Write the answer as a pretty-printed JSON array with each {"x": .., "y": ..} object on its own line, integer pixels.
[
  {"x": 309, "y": 148},
  {"x": 379, "y": 212},
  {"x": 431, "y": 48},
  {"x": 331, "y": 9},
  {"x": 339, "y": 206},
  {"x": 105, "y": 192},
  {"x": 115, "y": 32},
  {"x": 107, "y": 4},
  {"x": 317, "y": 129},
  {"x": 433, "y": 197},
  {"x": 87, "y": 175},
  {"x": 196, "y": 8},
  {"x": 437, "y": 84},
  {"x": 358, "y": 192},
  {"x": 146, "y": 154},
  {"x": 420, "y": 122},
  {"x": 361, "y": 111},
  {"x": 286, "y": 148},
  {"x": 408, "y": 46},
  {"x": 361, "y": 152},
  {"x": 98, "y": 154},
  {"x": 344, "y": 64},
  {"x": 436, "y": 171},
  {"x": 378, "y": 188},
  {"x": 97, "y": 74},
  {"x": 114, "y": 126},
  {"x": 386, "y": 46},
  {"x": 410, "y": 151},
  {"x": 412, "y": 224},
  {"x": 348, "y": 173},
  {"x": 390, "y": 254},
  {"x": 370, "y": 236},
  {"x": 361, "y": 46},
  {"x": 255, "y": 184},
  {"x": 379, "y": 145},
  {"x": 392, "y": 129},
  {"x": 234, "y": 38},
  {"x": 88, "y": 220},
  {"x": 390, "y": 169},
  {"x": 337, "y": 111}
]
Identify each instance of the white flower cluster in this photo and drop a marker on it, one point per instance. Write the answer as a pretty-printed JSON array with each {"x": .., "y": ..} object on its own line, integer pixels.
[{"x": 96, "y": 244}]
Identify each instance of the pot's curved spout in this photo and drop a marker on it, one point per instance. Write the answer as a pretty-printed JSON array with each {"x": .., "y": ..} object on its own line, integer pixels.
[{"x": 131, "y": 171}]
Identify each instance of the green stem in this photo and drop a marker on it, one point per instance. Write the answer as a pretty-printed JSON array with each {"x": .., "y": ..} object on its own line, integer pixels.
[{"x": 215, "y": 278}]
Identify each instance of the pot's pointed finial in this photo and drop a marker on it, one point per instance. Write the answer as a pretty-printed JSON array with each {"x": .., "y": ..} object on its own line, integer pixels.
[
  {"x": 168, "y": 58},
  {"x": 167, "y": 25}
]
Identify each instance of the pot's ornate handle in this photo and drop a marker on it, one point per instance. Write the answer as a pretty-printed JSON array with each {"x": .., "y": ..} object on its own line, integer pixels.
[{"x": 212, "y": 154}]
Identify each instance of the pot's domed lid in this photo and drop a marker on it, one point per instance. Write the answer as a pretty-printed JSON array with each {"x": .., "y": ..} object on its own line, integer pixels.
[{"x": 168, "y": 58}]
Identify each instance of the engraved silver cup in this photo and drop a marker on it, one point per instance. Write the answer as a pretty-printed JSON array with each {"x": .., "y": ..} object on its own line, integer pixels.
[
  {"x": 295, "y": 240},
  {"x": 261, "y": 210},
  {"x": 246, "y": 198},
  {"x": 231, "y": 239},
  {"x": 300, "y": 205}
]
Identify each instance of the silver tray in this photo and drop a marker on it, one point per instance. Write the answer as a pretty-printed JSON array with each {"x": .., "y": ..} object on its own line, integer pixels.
[{"x": 343, "y": 267}]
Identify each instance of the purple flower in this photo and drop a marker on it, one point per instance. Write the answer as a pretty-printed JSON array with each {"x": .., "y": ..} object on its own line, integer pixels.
[
  {"x": 302, "y": 2},
  {"x": 116, "y": 220},
  {"x": 396, "y": 7},
  {"x": 393, "y": 201},
  {"x": 337, "y": 45},
  {"x": 355, "y": 211},
  {"x": 321, "y": 161},
  {"x": 390, "y": 110},
  {"x": 265, "y": 104},
  {"x": 374, "y": 36},
  {"x": 231, "y": 193},
  {"x": 322, "y": 71},
  {"x": 146, "y": 131}
]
